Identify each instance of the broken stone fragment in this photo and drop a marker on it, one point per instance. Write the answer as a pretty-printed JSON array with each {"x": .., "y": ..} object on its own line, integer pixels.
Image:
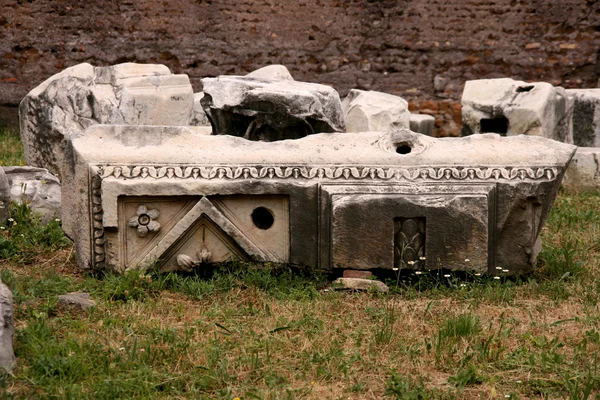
[
  {"x": 270, "y": 110},
  {"x": 80, "y": 96},
  {"x": 276, "y": 72},
  {"x": 198, "y": 115},
  {"x": 360, "y": 284},
  {"x": 4, "y": 197},
  {"x": 37, "y": 188},
  {"x": 76, "y": 300},
  {"x": 583, "y": 173},
  {"x": 586, "y": 116},
  {"x": 374, "y": 111},
  {"x": 7, "y": 329},
  {"x": 510, "y": 107},
  {"x": 422, "y": 123}
]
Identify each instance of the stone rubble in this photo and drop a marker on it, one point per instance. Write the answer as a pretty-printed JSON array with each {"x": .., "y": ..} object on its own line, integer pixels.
[
  {"x": 83, "y": 95},
  {"x": 510, "y": 107},
  {"x": 276, "y": 72},
  {"x": 586, "y": 117},
  {"x": 270, "y": 110},
  {"x": 36, "y": 187},
  {"x": 359, "y": 284},
  {"x": 374, "y": 111},
  {"x": 76, "y": 300},
  {"x": 583, "y": 173},
  {"x": 422, "y": 123}
]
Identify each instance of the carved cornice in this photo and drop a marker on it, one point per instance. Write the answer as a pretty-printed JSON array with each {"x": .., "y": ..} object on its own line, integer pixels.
[
  {"x": 369, "y": 173},
  {"x": 244, "y": 172}
]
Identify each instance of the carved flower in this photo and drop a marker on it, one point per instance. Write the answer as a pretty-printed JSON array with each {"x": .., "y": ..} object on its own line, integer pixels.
[{"x": 144, "y": 220}]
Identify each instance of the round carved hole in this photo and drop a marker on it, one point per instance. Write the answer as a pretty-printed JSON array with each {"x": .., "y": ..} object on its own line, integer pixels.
[
  {"x": 403, "y": 148},
  {"x": 262, "y": 218},
  {"x": 144, "y": 219}
]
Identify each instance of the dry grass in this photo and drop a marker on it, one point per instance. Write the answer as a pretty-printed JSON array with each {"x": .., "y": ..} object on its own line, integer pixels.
[{"x": 273, "y": 333}]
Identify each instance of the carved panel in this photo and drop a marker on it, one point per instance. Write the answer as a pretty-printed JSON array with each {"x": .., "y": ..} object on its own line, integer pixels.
[{"x": 409, "y": 242}]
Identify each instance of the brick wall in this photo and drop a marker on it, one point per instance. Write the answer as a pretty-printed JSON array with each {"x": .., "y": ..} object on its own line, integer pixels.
[{"x": 422, "y": 50}]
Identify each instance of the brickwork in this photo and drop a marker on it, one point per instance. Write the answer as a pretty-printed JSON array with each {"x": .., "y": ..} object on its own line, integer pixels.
[{"x": 422, "y": 50}]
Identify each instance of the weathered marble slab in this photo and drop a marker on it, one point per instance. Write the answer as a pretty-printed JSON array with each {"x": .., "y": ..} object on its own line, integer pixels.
[
  {"x": 67, "y": 103},
  {"x": 177, "y": 198},
  {"x": 510, "y": 107}
]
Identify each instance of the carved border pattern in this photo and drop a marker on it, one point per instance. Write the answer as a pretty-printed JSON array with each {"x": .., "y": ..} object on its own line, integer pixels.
[
  {"x": 97, "y": 214},
  {"x": 328, "y": 172},
  {"x": 100, "y": 172}
]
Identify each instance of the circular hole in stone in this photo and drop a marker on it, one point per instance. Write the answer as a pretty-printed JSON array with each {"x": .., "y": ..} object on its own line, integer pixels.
[
  {"x": 403, "y": 148},
  {"x": 262, "y": 218},
  {"x": 144, "y": 219}
]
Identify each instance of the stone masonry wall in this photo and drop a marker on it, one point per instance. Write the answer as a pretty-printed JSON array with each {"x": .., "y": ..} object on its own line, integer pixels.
[{"x": 422, "y": 50}]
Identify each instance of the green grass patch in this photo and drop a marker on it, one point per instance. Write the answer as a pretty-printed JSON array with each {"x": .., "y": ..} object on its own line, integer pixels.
[{"x": 266, "y": 331}]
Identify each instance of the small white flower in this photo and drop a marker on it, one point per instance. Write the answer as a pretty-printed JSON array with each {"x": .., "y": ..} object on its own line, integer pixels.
[
  {"x": 121, "y": 348},
  {"x": 11, "y": 220},
  {"x": 505, "y": 270},
  {"x": 477, "y": 274},
  {"x": 519, "y": 381},
  {"x": 395, "y": 268},
  {"x": 22, "y": 235},
  {"x": 57, "y": 220},
  {"x": 422, "y": 258},
  {"x": 411, "y": 263},
  {"x": 447, "y": 276},
  {"x": 499, "y": 268},
  {"x": 507, "y": 396},
  {"x": 463, "y": 285},
  {"x": 467, "y": 260},
  {"x": 418, "y": 272},
  {"x": 2, "y": 228},
  {"x": 496, "y": 277}
]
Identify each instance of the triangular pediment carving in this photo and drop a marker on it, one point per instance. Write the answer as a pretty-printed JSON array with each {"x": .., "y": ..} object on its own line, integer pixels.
[{"x": 202, "y": 227}]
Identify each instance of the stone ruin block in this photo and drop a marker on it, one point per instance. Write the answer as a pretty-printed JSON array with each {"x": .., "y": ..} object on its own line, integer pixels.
[
  {"x": 586, "y": 116},
  {"x": 510, "y": 107},
  {"x": 270, "y": 110},
  {"x": 422, "y": 123},
  {"x": 353, "y": 201},
  {"x": 69, "y": 102},
  {"x": 583, "y": 173},
  {"x": 374, "y": 111}
]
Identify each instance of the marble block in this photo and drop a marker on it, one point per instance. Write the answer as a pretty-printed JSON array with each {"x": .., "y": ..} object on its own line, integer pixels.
[
  {"x": 510, "y": 107},
  {"x": 174, "y": 198}
]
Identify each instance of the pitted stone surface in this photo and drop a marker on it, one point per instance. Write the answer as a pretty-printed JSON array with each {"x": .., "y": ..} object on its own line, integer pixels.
[
  {"x": 586, "y": 117},
  {"x": 374, "y": 111},
  {"x": 510, "y": 107},
  {"x": 36, "y": 187},
  {"x": 311, "y": 201},
  {"x": 80, "y": 96},
  {"x": 270, "y": 110}
]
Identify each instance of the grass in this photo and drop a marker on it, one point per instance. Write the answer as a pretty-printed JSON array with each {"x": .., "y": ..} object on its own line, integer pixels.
[
  {"x": 274, "y": 332},
  {"x": 11, "y": 148}
]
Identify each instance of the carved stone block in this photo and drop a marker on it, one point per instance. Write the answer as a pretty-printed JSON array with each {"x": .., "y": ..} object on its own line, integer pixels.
[{"x": 176, "y": 199}]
